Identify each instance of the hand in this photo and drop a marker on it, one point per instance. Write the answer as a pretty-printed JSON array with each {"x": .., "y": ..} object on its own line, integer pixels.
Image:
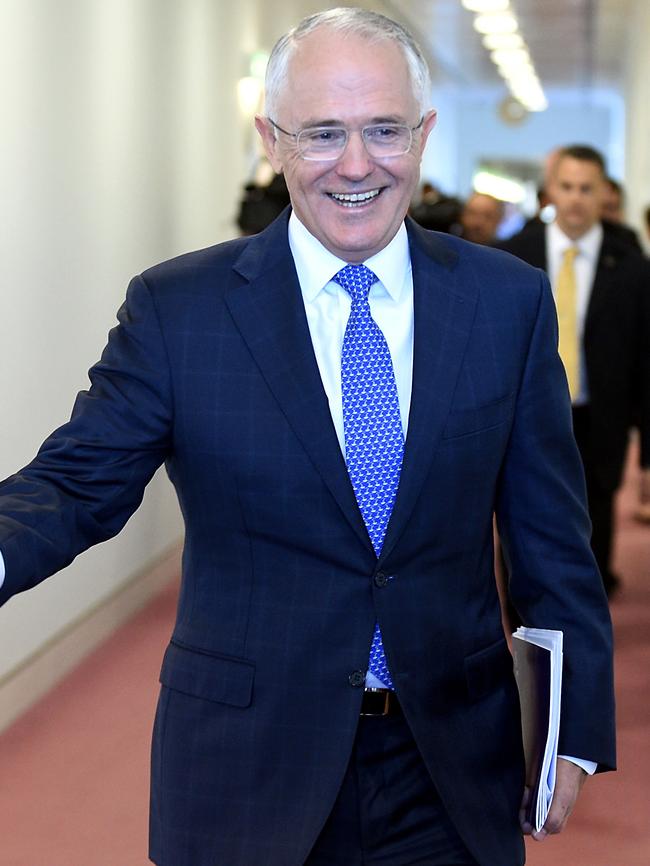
[{"x": 570, "y": 778}]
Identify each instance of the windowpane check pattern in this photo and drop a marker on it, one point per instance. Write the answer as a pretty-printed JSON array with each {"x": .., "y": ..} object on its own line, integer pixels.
[{"x": 374, "y": 441}]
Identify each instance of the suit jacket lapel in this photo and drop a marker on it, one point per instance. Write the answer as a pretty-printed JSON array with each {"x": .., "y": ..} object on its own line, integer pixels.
[
  {"x": 268, "y": 310},
  {"x": 444, "y": 309}
]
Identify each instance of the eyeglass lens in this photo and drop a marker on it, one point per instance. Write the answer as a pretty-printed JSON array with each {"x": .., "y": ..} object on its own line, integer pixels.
[{"x": 329, "y": 142}]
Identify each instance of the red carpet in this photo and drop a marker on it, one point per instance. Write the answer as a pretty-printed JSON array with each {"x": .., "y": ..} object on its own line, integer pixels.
[{"x": 74, "y": 769}]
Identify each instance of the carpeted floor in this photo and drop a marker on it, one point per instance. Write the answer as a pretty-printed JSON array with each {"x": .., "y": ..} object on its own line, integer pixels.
[
  {"x": 74, "y": 769},
  {"x": 611, "y": 822}
]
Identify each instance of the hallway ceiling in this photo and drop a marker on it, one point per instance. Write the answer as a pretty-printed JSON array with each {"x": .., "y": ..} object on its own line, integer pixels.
[{"x": 573, "y": 43}]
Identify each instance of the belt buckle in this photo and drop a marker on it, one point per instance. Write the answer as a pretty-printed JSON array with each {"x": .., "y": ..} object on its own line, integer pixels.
[{"x": 376, "y": 702}]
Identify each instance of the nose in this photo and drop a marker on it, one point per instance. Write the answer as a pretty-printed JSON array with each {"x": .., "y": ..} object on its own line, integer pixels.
[{"x": 354, "y": 163}]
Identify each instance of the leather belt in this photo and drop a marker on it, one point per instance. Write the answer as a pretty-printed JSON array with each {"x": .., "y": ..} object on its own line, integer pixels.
[{"x": 379, "y": 702}]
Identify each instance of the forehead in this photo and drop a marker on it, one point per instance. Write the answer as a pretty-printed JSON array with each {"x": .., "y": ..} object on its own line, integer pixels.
[
  {"x": 482, "y": 203},
  {"x": 340, "y": 76},
  {"x": 578, "y": 171}
]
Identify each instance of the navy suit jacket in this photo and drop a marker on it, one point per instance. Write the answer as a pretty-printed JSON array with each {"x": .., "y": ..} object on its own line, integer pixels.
[{"x": 212, "y": 370}]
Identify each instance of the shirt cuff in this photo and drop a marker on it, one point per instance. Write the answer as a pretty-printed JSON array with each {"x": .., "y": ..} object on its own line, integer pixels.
[
  {"x": 588, "y": 766},
  {"x": 2, "y": 570}
]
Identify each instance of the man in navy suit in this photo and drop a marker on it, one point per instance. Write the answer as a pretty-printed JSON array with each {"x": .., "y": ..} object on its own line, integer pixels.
[{"x": 338, "y": 689}]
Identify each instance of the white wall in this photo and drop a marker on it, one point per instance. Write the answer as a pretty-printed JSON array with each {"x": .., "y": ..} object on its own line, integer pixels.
[{"x": 122, "y": 145}]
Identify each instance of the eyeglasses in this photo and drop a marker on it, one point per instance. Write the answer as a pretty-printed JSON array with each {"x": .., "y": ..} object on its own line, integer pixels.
[{"x": 327, "y": 143}]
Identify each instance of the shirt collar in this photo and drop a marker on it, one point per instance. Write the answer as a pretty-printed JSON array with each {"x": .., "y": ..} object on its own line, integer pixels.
[
  {"x": 588, "y": 244},
  {"x": 316, "y": 265}
]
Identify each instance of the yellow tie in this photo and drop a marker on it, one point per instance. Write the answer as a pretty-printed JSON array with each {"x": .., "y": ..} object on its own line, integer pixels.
[{"x": 566, "y": 302}]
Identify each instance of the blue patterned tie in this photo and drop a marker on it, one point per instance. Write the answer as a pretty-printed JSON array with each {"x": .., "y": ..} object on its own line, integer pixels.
[{"x": 374, "y": 442}]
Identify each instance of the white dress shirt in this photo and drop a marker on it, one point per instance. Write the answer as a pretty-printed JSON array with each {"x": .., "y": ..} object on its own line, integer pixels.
[
  {"x": 328, "y": 308},
  {"x": 585, "y": 263}
]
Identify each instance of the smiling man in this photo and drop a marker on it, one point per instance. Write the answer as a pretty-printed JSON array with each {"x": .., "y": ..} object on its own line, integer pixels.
[{"x": 343, "y": 403}]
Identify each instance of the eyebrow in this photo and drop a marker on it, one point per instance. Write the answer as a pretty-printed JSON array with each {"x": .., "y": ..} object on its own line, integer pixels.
[{"x": 373, "y": 121}]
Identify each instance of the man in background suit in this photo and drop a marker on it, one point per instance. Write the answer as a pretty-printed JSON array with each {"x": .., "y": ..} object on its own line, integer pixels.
[
  {"x": 343, "y": 402},
  {"x": 606, "y": 333}
]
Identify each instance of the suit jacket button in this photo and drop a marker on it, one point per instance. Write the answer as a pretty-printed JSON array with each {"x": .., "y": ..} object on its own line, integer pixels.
[
  {"x": 381, "y": 579},
  {"x": 357, "y": 679}
]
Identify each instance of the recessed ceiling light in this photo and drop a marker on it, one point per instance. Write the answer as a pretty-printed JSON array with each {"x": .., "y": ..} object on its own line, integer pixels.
[
  {"x": 497, "y": 22},
  {"x": 486, "y": 5},
  {"x": 494, "y": 41}
]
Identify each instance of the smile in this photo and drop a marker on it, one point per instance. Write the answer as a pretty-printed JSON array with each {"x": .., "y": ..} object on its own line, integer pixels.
[{"x": 354, "y": 199}]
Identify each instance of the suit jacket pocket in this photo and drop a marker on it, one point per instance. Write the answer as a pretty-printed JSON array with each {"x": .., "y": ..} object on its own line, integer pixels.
[
  {"x": 466, "y": 421},
  {"x": 488, "y": 667},
  {"x": 222, "y": 679}
]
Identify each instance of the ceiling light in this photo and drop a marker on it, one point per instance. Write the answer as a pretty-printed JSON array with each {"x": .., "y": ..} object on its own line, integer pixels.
[
  {"x": 500, "y": 187},
  {"x": 249, "y": 95},
  {"x": 529, "y": 92},
  {"x": 509, "y": 53},
  {"x": 498, "y": 22},
  {"x": 486, "y": 5},
  {"x": 509, "y": 57},
  {"x": 495, "y": 41}
]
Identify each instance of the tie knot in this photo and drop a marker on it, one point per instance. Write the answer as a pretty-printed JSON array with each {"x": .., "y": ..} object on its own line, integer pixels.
[
  {"x": 356, "y": 280},
  {"x": 570, "y": 254}
]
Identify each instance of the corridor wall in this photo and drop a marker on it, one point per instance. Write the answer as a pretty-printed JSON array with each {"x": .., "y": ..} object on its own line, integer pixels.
[{"x": 123, "y": 144}]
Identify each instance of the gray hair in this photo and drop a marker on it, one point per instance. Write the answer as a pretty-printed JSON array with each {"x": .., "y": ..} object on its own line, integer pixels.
[{"x": 361, "y": 22}]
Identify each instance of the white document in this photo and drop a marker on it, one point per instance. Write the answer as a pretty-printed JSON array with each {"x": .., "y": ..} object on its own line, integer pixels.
[{"x": 537, "y": 654}]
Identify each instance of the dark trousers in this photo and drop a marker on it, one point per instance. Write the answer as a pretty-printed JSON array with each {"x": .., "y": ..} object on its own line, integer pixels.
[
  {"x": 600, "y": 498},
  {"x": 388, "y": 811}
]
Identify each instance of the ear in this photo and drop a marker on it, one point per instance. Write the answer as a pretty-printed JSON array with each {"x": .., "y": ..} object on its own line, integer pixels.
[
  {"x": 430, "y": 120},
  {"x": 270, "y": 142}
]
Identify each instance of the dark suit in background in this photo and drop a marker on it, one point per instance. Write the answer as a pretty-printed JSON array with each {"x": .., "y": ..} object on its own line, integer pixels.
[{"x": 617, "y": 357}]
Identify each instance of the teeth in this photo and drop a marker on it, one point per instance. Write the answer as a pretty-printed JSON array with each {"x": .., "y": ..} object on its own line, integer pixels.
[{"x": 355, "y": 197}]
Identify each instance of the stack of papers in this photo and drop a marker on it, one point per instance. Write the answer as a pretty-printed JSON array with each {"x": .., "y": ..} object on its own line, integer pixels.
[{"x": 537, "y": 654}]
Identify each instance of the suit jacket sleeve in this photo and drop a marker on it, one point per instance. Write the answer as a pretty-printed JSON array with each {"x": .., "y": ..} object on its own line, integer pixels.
[
  {"x": 89, "y": 476},
  {"x": 552, "y": 570}
]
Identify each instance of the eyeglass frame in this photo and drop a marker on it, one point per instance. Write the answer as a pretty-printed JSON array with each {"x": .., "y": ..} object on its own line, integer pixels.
[{"x": 296, "y": 135}]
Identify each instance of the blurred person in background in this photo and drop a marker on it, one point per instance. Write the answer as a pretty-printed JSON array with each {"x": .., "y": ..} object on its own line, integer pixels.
[
  {"x": 612, "y": 213},
  {"x": 438, "y": 212},
  {"x": 642, "y": 512},
  {"x": 260, "y": 205},
  {"x": 602, "y": 288},
  {"x": 480, "y": 218},
  {"x": 613, "y": 218}
]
